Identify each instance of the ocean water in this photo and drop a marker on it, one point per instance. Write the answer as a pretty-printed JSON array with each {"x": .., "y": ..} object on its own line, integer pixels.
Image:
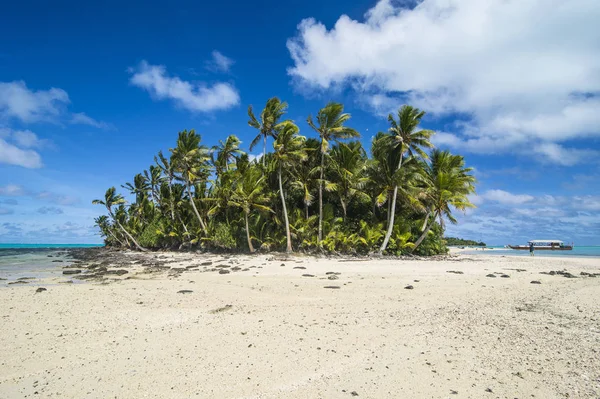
[
  {"x": 584, "y": 251},
  {"x": 27, "y": 260}
]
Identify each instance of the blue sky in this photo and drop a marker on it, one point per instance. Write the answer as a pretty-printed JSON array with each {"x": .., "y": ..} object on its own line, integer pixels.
[{"x": 89, "y": 93}]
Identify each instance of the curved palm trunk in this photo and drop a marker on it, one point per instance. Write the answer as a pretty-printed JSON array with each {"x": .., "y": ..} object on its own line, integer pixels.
[
  {"x": 388, "y": 234},
  {"x": 420, "y": 240},
  {"x": 126, "y": 232},
  {"x": 285, "y": 215},
  {"x": 306, "y": 209},
  {"x": 189, "y": 191},
  {"x": 425, "y": 221},
  {"x": 320, "y": 236},
  {"x": 248, "y": 233},
  {"x": 115, "y": 237},
  {"x": 264, "y": 150}
]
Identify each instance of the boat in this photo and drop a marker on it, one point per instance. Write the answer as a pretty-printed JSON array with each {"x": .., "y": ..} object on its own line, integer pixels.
[{"x": 544, "y": 245}]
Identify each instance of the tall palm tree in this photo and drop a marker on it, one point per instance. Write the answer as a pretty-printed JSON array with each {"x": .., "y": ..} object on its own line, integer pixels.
[
  {"x": 330, "y": 127},
  {"x": 449, "y": 183},
  {"x": 306, "y": 173},
  {"x": 268, "y": 124},
  {"x": 111, "y": 199},
  {"x": 226, "y": 152},
  {"x": 348, "y": 178},
  {"x": 154, "y": 179},
  {"x": 139, "y": 188},
  {"x": 167, "y": 168},
  {"x": 289, "y": 150},
  {"x": 249, "y": 194},
  {"x": 404, "y": 138},
  {"x": 189, "y": 159}
]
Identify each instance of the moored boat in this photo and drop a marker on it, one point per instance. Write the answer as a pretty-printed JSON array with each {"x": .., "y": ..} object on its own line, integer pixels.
[{"x": 544, "y": 245}]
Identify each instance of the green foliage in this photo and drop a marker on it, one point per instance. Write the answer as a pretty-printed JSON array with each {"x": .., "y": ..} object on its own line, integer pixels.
[
  {"x": 310, "y": 194},
  {"x": 452, "y": 241},
  {"x": 221, "y": 237},
  {"x": 151, "y": 236}
]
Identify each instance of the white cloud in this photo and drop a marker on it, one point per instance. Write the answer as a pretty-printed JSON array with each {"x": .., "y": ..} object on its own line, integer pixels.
[
  {"x": 17, "y": 101},
  {"x": 196, "y": 97},
  {"x": 547, "y": 152},
  {"x": 16, "y": 148},
  {"x": 520, "y": 73},
  {"x": 219, "y": 62},
  {"x": 52, "y": 210},
  {"x": 82, "y": 119},
  {"x": 57, "y": 199},
  {"x": 504, "y": 197},
  {"x": 13, "y": 155},
  {"x": 12, "y": 190},
  {"x": 255, "y": 157}
]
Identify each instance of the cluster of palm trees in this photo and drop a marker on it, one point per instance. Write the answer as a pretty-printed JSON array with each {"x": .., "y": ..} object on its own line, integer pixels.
[{"x": 323, "y": 193}]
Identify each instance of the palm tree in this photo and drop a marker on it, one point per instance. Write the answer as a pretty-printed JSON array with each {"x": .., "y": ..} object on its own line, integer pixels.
[
  {"x": 403, "y": 137},
  {"x": 306, "y": 173},
  {"x": 289, "y": 150},
  {"x": 249, "y": 194},
  {"x": 226, "y": 152},
  {"x": 167, "y": 167},
  {"x": 189, "y": 159},
  {"x": 111, "y": 199},
  {"x": 348, "y": 173},
  {"x": 449, "y": 183},
  {"x": 154, "y": 179},
  {"x": 330, "y": 120},
  {"x": 139, "y": 188},
  {"x": 106, "y": 229},
  {"x": 268, "y": 124}
]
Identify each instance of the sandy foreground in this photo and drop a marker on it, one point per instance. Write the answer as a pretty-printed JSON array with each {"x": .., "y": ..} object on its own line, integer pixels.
[{"x": 270, "y": 332}]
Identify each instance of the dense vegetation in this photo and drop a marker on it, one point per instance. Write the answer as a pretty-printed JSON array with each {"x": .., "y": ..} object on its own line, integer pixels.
[
  {"x": 323, "y": 193},
  {"x": 452, "y": 241}
]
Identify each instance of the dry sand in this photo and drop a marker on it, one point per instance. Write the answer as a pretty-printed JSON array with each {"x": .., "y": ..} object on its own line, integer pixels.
[{"x": 269, "y": 332}]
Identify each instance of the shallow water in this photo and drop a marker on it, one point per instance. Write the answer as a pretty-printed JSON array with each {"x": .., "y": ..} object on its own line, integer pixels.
[
  {"x": 584, "y": 251},
  {"x": 38, "y": 262}
]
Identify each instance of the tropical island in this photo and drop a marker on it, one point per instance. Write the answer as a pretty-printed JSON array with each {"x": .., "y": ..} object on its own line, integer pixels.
[{"x": 324, "y": 192}]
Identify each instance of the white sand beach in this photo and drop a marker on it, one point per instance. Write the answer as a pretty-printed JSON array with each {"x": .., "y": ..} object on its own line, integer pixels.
[{"x": 267, "y": 331}]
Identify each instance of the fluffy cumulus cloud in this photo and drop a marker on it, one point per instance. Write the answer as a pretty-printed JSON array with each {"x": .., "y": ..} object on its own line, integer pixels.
[
  {"x": 219, "y": 62},
  {"x": 18, "y": 101},
  {"x": 518, "y": 74},
  {"x": 195, "y": 97},
  {"x": 17, "y": 148}
]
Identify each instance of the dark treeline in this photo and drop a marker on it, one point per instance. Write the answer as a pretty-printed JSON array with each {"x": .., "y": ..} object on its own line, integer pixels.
[
  {"x": 452, "y": 241},
  {"x": 320, "y": 193}
]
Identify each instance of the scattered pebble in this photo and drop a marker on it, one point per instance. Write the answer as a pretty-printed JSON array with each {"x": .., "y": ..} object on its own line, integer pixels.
[
  {"x": 41, "y": 289},
  {"x": 409, "y": 287},
  {"x": 185, "y": 292},
  {"x": 536, "y": 282}
]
